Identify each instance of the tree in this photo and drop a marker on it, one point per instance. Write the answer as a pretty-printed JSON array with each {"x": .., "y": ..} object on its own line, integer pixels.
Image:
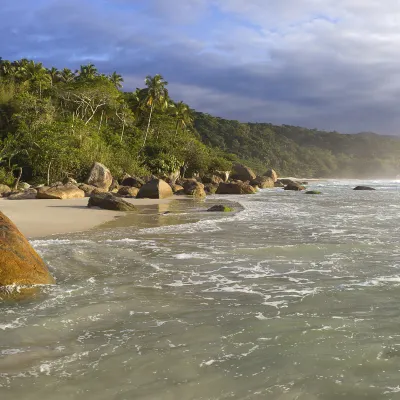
[
  {"x": 54, "y": 75},
  {"x": 67, "y": 75},
  {"x": 155, "y": 95},
  {"x": 87, "y": 72},
  {"x": 181, "y": 113},
  {"x": 116, "y": 80}
]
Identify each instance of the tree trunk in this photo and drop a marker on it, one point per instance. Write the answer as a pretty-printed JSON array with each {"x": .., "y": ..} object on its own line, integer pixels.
[
  {"x": 48, "y": 173},
  {"x": 122, "y": 133},
  {"x": 176, "y": 130},
  {"x": 16, "y": 182},
  {"x": 101, "y": 119},
  {"x": 148, "y": 125}
]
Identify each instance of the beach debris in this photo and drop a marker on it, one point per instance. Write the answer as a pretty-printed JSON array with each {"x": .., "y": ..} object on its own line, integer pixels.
[
  {"x": 237, "y": 187},
  {"x": 19, "y": 262},
  {"x": 108, "y": 201},
  {"x": 155, "y": 189},
  {"x": 363, "y": 188},
  {"x": 100, "y": 176},
  {"x": 61, "y": 192}
]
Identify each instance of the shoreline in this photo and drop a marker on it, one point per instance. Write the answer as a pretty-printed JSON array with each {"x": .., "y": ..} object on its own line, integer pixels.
[{"x": 45, "y": 218}]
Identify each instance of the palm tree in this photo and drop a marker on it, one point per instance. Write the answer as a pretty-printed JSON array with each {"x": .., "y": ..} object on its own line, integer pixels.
[
  {"x": 116, "y": 80},
  {"x": 67, "y": 75},
  {"x": 182, "y": 114},
  {"x": 5, "y": 67},
  {"x": 87, "y": 72},
  {"x": 156, "y": 94},
  {"x": 54, "y": 74},
  {"x": 33, "y": 73}
]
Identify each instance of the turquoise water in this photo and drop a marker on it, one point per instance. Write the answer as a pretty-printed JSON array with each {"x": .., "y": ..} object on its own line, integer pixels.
[{"x": 295, "y": 297}]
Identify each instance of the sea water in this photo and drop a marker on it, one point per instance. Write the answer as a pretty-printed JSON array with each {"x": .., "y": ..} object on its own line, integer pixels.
[{"x": 294, "y": 297}]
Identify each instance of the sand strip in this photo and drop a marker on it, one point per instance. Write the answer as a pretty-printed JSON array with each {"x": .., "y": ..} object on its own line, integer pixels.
[{"x": 39, "y": 218}]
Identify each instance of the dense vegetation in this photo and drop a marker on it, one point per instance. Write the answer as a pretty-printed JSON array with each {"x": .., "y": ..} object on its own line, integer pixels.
[{"x": 56, "y": 123}]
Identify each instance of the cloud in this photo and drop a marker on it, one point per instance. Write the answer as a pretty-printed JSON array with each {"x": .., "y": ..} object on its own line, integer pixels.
[{"x": 328, "y": 64}]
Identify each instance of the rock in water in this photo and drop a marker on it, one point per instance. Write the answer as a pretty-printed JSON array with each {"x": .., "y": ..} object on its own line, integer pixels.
[
  {"x": 363, "y": 188},
  {"x": 235, "y": 188},
  {"x": 243, "y": 173},
  {"x": 294, "y": 186},
  {"x": 100, "y": 176},
  {"x": 263, "y": 182},
  {"x": 271, "y": 174},
  {"x": 220, "y": 208},
  {"x": 61, "y": 193},
  {"x": 108, "y": 201},
  {"x": 193, "y": 188},
  {"x": 155, "y": 189},
  {"x": 313, "y": 192},
  {"x": 19, "y": 262}
]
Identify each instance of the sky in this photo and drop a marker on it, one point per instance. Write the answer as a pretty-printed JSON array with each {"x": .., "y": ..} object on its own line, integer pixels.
[{"x": 326, "y": 64}]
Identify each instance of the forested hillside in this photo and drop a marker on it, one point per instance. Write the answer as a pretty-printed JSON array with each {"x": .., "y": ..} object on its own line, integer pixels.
[{"x": 55, "y": 123}]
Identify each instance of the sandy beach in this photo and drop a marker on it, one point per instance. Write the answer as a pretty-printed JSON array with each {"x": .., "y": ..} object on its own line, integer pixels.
[{"x": 39, "y": 218}]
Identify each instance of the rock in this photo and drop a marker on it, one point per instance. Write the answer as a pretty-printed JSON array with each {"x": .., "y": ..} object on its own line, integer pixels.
[
  {"x": 237, "y": 187},
  {"x": 294, "y": 186},
  {"x": 155, "y": 189},
  {"x": 363, "y": 188},
  {"x": 212, "y": 179},
  {"x": 193, "y": 188},
  {"x": 128, "y": 191},
  {"x": 279, "y": 184},
  {"x": 220, "y": 208},
  {"x": 61, "y": 193},
  {"x": 133, "y": 181},
  {"x": 90, "y": 189},
  {"x": 42, "y": 189},
  {"x": 285, "y": 181},
  {"x": 20, "y": 264},
  {"x": 210, "y": 188},
  {"x": 242, "y": 173},
  {"x": 108, "y": 201},
  {"x": 56, "y": 184},
  {"x": 27, "y": 194},
  {"x": 24, "y": 185},
  {"x": 224, "y": 175},
  {"x": 69, "y": 181},
  {"x": 100, "y": 176},
  {"x": 176, "y": 188},
  {"x": 148, "y": 178},
  {"x": 271, "y": 174},
  {"x": 263, "y": 182},
  {"x": 313, "y": 192},
  {"x": 4, "y": 190},
  {"x": 114, "y": 186},
  {"x": 174, "y": 176}
]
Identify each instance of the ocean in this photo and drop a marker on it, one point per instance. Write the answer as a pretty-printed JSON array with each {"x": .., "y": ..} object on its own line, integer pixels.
[{"x": 292, "y": 297}]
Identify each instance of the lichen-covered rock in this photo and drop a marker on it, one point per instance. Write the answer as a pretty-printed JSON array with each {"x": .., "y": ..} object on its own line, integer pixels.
[
  {"x": 220, "y": 208},
  {"x": 19, "y": 262},
  {"x": 155, "y": 189},
  {"x": 108, "y": 201},
  {"x": 100, "y": 176},
  {"x": 313, "y": 192},
  {"x": 243, "y": 173},
  {"x": 61, "y": 193},
  {"x": 237, "y": 187}
]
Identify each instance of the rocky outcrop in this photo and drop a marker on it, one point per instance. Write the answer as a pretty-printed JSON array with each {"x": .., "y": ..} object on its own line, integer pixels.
[
  {"x": 295, "y": 186},
  {"x": 193, "y": 188},
  {"x": 61, "y": 193},
  {"x": 243, "y": 173},
  {"x": 237, "y": 187},
  {"x": 212, "y": 179},
  {"x": 128, "y": 191},
  {"x": 271, "y": 174},
  {"x": 155, "y": 189},
  {"x": 363, "y": 188},
  {"x": 263, "y": 182},
  {"x": 220, "y": 208},
  {"x": 19, "y": 262},
  {"x": 100, "y": 176},
  {"x": 133, "y": 181},
  {"x": 27, "y": 194},
  {"x": 109, "y": 201}
]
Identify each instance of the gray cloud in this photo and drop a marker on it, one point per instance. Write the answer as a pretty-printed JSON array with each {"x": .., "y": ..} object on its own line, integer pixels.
[{"x": 332, "y": 65}]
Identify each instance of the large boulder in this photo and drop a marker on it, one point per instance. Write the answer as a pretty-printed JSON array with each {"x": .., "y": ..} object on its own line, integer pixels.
[
  {"x": 27, "y": 194},
  {"x": 271, "y": 174},
  {"x": 295, "y": 186},
  {"x": 220, "y": 208},
  {"x": 210, "y": 188},
  {"x": 128, "y": 191},
  {"x": 193, "y": 188},
  {"x": 19, "y": 262},
  {"x": 224, "y": 175},
  {"x": 263, "y": 182},
  {"x": 155, "y": 189},
  {"x": 100, "y": 176},
  {"x": 212, "y": 179},
  {"x": 61, "y": 192},
  {"x": 177, "y": 188},
  {"x": 363, "y": 188},
  {"x": 90, "y": 189},
  {"x": 133, "y": 181},
  {"x": 237, "y": 187},
  {"x": 109, "y": 201},
  {"x": 4, "y": 190},
  {"x": 242, "y": 173}
]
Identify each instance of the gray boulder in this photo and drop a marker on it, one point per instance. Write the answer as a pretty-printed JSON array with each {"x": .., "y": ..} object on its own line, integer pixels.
[
  {"x": 109, "y": 201},
  {"x": 100, "y": 176},
  {"x": 242, "y": 173}
]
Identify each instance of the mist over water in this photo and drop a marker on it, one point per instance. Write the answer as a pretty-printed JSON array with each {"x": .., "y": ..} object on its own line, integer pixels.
[{"x": 295, "y": 297}]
